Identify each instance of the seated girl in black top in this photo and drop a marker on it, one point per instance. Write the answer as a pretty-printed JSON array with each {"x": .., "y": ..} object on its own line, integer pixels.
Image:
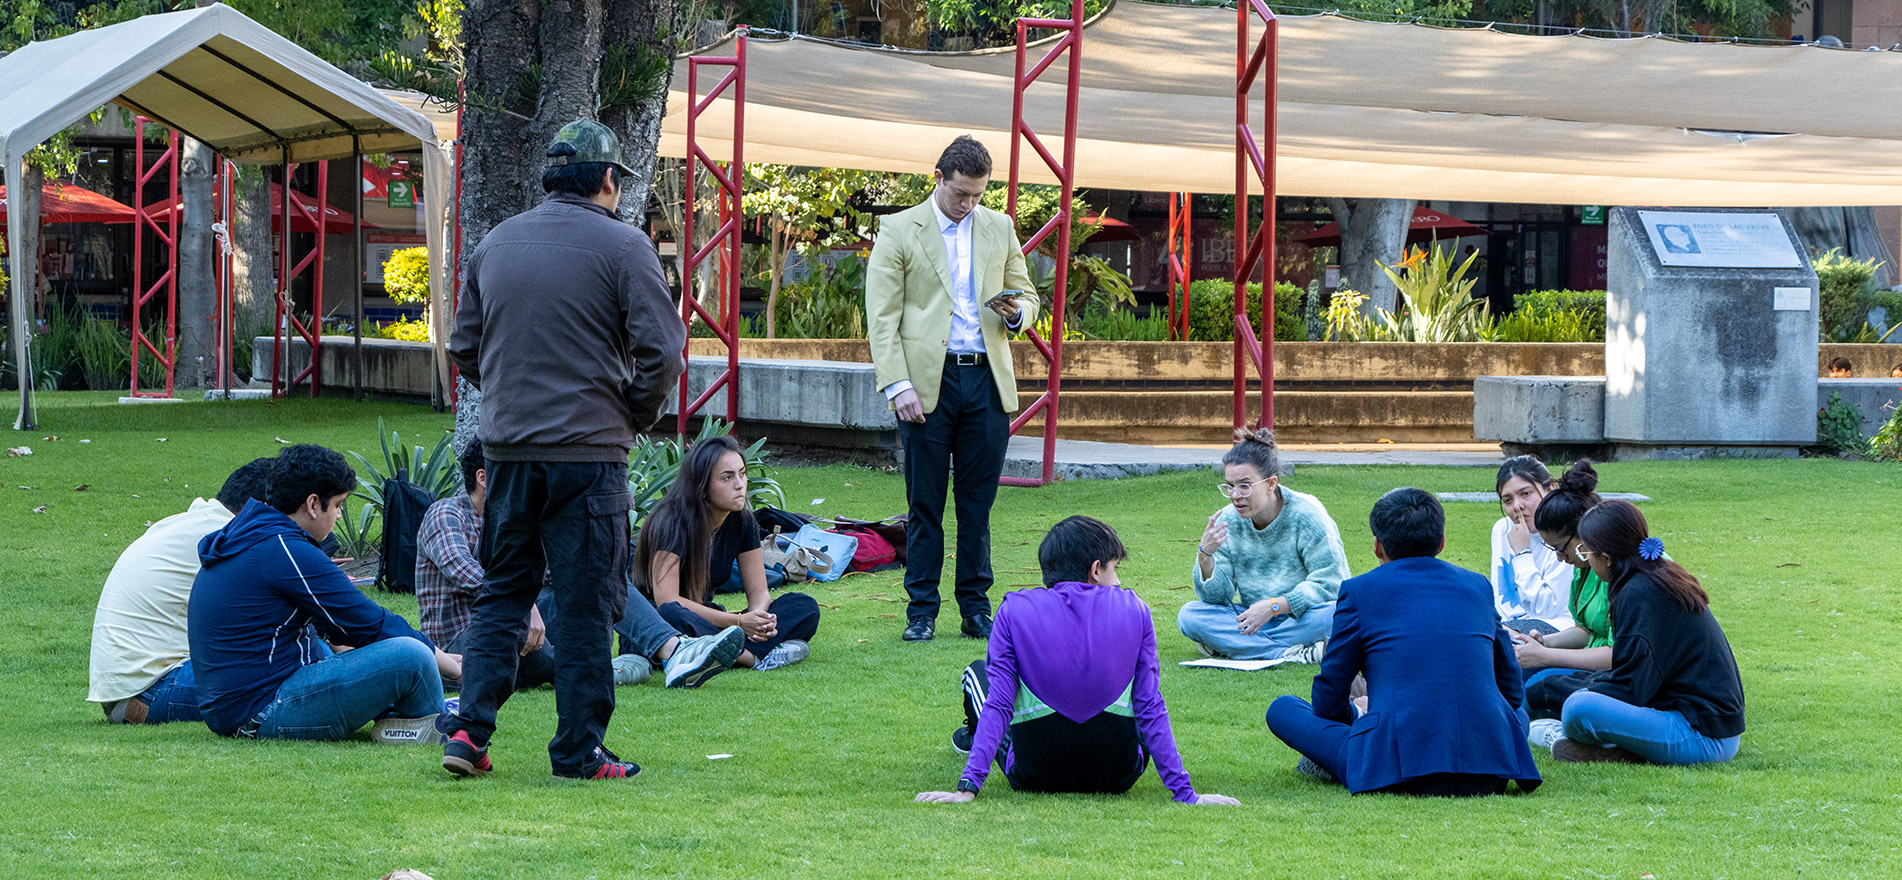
[
  {"x": 1673, "y": 695},
  {"x": 689, "y": 545}
]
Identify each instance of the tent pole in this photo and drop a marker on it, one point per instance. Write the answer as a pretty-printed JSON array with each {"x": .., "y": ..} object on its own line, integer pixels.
[
  {"x": 356, "y": 258},
  {"x": 26, "y": 420}
]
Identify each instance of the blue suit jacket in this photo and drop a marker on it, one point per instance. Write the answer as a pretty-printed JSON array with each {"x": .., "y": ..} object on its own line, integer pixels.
[{"x": 1444, "y": 690}]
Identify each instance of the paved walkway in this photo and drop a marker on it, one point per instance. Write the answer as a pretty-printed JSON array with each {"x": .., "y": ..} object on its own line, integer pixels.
[{"x": 1090, "y": 460}]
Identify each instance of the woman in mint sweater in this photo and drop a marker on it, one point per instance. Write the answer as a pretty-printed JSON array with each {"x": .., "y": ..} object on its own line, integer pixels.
[{"x": 1268, "y": 566}]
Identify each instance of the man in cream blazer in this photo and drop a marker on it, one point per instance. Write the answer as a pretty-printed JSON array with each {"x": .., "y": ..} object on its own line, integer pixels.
[{"x": 946, "y": 289}]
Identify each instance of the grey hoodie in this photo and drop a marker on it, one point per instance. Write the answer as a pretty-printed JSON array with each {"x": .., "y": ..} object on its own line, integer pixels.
[{"x": 569, "y": 329}]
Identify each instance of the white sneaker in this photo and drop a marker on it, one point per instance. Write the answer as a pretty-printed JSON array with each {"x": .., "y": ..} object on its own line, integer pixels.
[
  {"x": 632, "y": 669},
  {"x": 1310, "y": 654},
  {"x": 406, "y": 732},
  {"x": 1544, "y": 732},
  {"x": 789, "y": 652},
  {"x": 698, "y": 658}
]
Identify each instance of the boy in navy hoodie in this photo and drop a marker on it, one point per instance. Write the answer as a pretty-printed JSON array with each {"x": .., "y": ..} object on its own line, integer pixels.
[{"x": 268, "y": 598}]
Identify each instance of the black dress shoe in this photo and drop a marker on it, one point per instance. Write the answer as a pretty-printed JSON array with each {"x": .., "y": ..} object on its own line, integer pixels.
[
  {"x": 977, "y": 626},
  {"x": 920, "y": 630}
]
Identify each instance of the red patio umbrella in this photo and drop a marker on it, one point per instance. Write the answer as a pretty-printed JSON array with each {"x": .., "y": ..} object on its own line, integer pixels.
[
  {"x": 1110, "y": 229},
  {"x": 62, "y": 202},
  {"x": 1428, "y": 225},
  {"x": 336, "y": 220}
]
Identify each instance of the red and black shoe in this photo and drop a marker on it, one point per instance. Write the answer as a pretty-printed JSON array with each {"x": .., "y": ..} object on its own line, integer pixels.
[
  {"x": 606, "y": 766},
  {"x": 461, "y": 756}
]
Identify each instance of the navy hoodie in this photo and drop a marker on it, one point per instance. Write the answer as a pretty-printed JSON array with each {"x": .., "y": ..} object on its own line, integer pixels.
[{"x": 264, "y": 586}]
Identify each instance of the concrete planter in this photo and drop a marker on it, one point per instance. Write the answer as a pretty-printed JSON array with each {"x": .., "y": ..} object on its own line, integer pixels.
[{"x": 391, "y": 367}]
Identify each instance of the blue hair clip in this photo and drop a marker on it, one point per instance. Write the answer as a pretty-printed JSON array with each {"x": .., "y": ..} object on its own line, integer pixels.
[{"x": 1651, "y": 549}]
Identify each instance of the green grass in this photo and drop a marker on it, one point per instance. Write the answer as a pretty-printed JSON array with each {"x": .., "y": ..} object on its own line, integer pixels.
[{"x": 1799, "y": 556}]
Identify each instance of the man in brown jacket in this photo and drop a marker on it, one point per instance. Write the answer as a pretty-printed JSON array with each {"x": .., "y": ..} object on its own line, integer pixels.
[{"x": 567, "y": 326}]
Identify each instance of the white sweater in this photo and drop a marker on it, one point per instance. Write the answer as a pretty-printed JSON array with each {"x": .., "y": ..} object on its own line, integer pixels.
[{"x": 1536, "y": 583}]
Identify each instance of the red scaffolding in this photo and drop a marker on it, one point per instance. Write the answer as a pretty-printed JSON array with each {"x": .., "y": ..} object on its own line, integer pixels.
[
  {"x": 287, "y": 323},
  {"x": 1181, "y": 257},
  {"x": 162, "y": 223},
  {"x": 1259, "y": 252},
  {"x": 1069, "y": 45},
  {"x": 725, "y": 241}
]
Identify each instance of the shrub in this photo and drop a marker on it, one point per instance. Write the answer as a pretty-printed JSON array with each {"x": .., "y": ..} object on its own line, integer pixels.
[
  {"x": 105, "y": 355},
  {"x": 1437, "y": 303},
  {"x": 1887, "y": 444},
  {"x": 1212, "y": 311},
  {"x": 406, "y": 275},
  {"x": 1545, "y": 302},
  {"x": 56, "y": 352},
  {"x": 1843, "y": 288},
  {"x": 1566, "y": 325},
  {"x": 1839, "y": 428},
  {"x": 1123, "y": 325},
  {"x": 407, "y": 329}
]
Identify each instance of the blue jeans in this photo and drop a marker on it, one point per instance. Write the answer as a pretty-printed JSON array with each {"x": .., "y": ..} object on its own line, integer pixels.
[
  {"x": 1658, "y": 736},
  {"x": 173, "y": 697},
  {"x": 331, "y": 698},
  {"x": 1214, "y": 627}
]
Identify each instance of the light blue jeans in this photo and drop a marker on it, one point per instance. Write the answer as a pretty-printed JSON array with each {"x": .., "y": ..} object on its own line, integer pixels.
[
  {"x": 1658, "y": 736},
  {"x": 1214, "y": 627},
  {"x": 331, "y": 698}
]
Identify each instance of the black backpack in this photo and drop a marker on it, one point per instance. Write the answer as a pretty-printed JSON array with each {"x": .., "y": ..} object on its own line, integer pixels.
[{"x": 404, "y": 504}]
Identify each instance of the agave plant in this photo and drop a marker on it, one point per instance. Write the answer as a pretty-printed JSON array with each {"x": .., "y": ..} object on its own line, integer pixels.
[
  {"x": 436, "y": 470},
  {"x": 655, "y": 465},
  {"x": 358, "y": 534},
  {"x": 1439, "y": 300}
]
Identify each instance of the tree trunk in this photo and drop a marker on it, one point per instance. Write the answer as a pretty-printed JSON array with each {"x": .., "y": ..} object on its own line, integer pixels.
[
  {"x": 776, "y": 263},
  {"x": 27, "y": 203},
  {"x": 253, "y": 263},
  {"x": 197, "y": 354},
  {"x": 647, "y": 24},
  {"x": 1373, "y": 232}
]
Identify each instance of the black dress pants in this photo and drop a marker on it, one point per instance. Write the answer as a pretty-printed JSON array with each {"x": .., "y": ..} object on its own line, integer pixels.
[
  {"x": 798, "y": 616},
  {"x": 967, "y": 431},
  {"x": 569, "y": 519}
]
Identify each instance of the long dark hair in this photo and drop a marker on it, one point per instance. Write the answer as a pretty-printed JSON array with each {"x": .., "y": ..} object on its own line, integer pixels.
[
  {"x": 684, "y": 518},
  {"x": 1560, "y": 510},
  {"x": 1615, "y": 529}
]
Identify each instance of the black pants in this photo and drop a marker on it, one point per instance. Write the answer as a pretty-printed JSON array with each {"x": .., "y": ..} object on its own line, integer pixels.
[
  {"x": 570, "y": 519},
  {"x": 968, "y": 429},
  {"x": 1103, "y": 755},
  {"x": 798, "y": 616},
  {"x": 536, "y": 668}
]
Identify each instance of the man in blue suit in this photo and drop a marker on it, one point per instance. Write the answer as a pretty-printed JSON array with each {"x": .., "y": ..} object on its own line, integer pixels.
[{"x": 1444, "y": 712}]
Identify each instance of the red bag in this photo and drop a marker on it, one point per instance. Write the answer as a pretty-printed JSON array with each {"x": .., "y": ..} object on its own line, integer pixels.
[
  {"x": 873, "y": 552},
  {"x": 892, "y": 530}
]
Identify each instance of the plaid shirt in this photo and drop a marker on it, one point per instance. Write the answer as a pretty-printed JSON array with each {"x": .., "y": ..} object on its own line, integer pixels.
[{"x": 448, "y": 575}]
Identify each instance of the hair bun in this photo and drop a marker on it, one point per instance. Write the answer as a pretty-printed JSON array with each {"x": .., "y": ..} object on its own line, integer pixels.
[
  {"x": 1264, "y": 435},
  {"x": 1580, "y": 478}
]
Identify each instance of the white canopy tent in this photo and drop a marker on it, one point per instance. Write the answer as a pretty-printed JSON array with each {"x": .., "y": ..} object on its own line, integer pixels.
[
  {"x": 232, "y": 84},
  {"x": 1366, "y": 109}
]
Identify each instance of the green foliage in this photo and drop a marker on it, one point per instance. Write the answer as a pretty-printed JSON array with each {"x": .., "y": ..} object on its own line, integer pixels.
[
  {"x": 1843, "y": 285},
  {"x": 828, "y": 304},
  {"x": 436, "y": 471},
  {"x": 1036, "y": 204},
  {"x": 1123, "y": 325},
  {"x": 654, "y": 467},
  {"x": 1212, "y": 311},
  {"x": 631, "y": 75},
  {"x": 1545, "y": 302},
  {"x": 359, "y": 532},
  {"x": 1345, "y": 323},
  {"x": 56, "y": 351},
  {"x": 1437, "y": 300},
  {"x": 1565, "y": 325},
  {"x": 1887, "y": 444},
  {"x": 1839, "y": 428},
  {"x": 406, "y": 329},
  {"x": 105, "y": 355},
  {"x": 406, "y": 275}
]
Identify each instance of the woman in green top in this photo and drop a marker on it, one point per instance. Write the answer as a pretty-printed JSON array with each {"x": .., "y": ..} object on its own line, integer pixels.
[{"x": 1586, "y": 646}]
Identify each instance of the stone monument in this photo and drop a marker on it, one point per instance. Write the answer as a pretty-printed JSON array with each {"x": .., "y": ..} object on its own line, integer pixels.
[{"x": 1710, "y": 336}]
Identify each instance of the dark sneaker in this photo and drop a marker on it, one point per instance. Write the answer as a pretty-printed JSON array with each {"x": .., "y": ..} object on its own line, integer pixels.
[
  {"x": 961, "y": 740},
  {"x": 920, "y": 630},
  {"x": 1575, "y": 752},
  {"x": 977, "y": 626},
  {"x": 1307, "y": 767},
  {"x": 698, "y": 658},
  {"x": 606, "y": 766},
  {"x": 461, "y": 756}
]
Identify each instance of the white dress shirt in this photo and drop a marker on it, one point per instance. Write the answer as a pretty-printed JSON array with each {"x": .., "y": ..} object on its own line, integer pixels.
[{"x": 967, "y": 334}]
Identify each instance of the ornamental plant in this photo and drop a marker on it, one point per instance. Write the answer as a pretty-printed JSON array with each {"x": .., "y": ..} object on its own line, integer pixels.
[{"x": 406, "y": 275}]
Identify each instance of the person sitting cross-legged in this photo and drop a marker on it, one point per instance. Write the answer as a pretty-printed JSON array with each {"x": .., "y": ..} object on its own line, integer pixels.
[
  {"x": 1274, "y": 548},
  {"x": 141, "y": 669},
  {"x": 689, "y": 545},
  {"x": 1444, "y": 712},
  {"x": 267, "y": 594},
  {"x": 1066, "y": 697}
]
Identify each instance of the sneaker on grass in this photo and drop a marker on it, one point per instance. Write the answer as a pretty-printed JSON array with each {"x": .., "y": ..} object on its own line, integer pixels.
[
  {"x": 1544, "y": 732},
  {"x": 789, "y": 652},
  {"x": 1572, "y": 751},
  {"x": 1310, "y": 654},
  {"x": 461, "y": 756},
  {"x": 698, "y": 658},
  {"x": 607, "y": 766},
  {"x": 961, "y": 740},
  {"x": 406, "y": 731},
  {"x": 1307, "y": 767},
  {"x": 632, "y": 669}
]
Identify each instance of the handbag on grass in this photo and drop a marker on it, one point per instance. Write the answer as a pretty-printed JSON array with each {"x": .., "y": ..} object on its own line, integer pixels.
[
  {"x": 795, "y": 563},
  {"x": 836, "y": 548}
]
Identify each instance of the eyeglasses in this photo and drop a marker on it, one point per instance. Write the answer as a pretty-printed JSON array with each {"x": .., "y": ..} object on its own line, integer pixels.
[
  {"x": 1548, "y": 545},
  {"x": 1236, "y": 490},
  {"x": 1583, "y": 552}
]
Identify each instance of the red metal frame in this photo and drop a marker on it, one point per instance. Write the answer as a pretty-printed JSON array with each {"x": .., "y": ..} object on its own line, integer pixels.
[
  {"x": 1070, "y": 43},
  {"x": 1259, "y": 249},
  {"x": 147, "y": 218},
  {"x": 725, "y": 242},
  {"x": 1181, "y": 257},
  {"x": 286, "y": 321}
]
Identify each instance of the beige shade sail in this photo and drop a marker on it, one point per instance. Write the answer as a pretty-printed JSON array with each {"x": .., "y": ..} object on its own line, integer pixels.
[
  {"x": 1367, "y": 109},
  {"x": 232, "y": 84}
]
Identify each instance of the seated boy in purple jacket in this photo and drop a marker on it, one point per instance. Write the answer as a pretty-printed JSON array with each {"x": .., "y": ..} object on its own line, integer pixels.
[{"x": 1068, "y": 687}]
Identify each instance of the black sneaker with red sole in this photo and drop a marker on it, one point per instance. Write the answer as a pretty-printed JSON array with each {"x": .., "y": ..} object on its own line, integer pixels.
[
  {"x": 461, "y": 756},
  {"x": 606, "y": 766}
]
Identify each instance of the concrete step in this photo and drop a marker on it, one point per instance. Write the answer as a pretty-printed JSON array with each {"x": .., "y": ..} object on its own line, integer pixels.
[{"x": 1300, "y": 416}]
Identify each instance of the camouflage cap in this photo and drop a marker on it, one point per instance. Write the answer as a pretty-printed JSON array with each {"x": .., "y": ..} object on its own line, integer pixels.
[{"x": 591, "y": 142}]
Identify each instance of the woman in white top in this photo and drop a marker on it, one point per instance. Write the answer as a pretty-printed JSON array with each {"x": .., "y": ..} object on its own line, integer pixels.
[{"x": 1530, "y": 581}]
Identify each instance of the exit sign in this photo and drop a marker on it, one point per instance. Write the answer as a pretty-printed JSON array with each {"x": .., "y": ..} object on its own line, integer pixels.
[{"x": 1593, "y": 215}]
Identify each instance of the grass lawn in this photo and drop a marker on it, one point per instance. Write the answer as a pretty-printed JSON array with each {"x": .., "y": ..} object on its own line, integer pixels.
[{"x": 1796, "y": 554}]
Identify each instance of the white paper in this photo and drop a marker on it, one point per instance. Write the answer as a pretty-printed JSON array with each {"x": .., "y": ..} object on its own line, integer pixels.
[
  {"x": 717, "y": 757},
  {"x": 1792, "y": 299},
  {"x": 1243, "y": 665}
]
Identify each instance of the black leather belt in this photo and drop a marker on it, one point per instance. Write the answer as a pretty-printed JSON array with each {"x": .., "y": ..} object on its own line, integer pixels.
[{"x": 965, "y": 359}]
